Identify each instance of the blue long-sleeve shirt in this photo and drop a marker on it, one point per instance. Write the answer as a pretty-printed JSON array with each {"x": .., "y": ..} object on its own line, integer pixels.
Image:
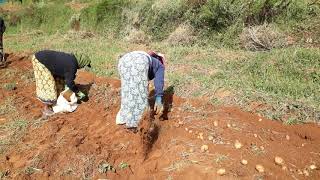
[{"x": 156, "y": 73}]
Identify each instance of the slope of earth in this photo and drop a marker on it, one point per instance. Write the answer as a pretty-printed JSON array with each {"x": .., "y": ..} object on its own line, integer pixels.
[{"x": 195, "y": 142}]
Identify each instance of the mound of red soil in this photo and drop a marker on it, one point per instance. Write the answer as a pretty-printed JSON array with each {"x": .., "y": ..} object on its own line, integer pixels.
[
  {"x": 88, "y": 144},
  {"x": 149, "y": 131}
]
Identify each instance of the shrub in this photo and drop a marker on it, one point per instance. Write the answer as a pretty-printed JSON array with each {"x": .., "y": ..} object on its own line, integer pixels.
[
  {"x": 183, "y": 35},
  {"x": 163, "y": 17},
  {"x": 47, "y": 17},
  {"x": 9, "y": 86},
  {"x": 263, "y": 37},
  {"x": 137, "y": 37},
  {"x": 105, "y": 16}
]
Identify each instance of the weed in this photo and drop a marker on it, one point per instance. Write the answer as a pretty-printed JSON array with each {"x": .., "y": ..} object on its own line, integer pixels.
[
  {"x": 105, "y": 167},
  {"x": 292, "y": 121},
  {"x": 220, "y": 158},
  {"x": 31, "y": 170},
  {"x": 10, "y": 86},
  {"x": 4, "y": 174},
  {"x": 124, "y": 165},
  {"x": 256, "y": 150},
  {"x": 14, "y": 131},
  {"x": 68, "y": 171},
  {"x": 176, "y": 166},
  {"x": 28, "y": 77},
  {"x": 7, "y": 107},
  {"x": 8, "y": 73}
]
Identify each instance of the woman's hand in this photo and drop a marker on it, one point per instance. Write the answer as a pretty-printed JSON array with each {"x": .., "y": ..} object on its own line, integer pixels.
[
  {"x": 81, "y": 95},
  {"x": 158, "y": 106}
]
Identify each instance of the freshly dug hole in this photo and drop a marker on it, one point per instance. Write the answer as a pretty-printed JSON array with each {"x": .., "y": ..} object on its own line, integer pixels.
[{"x": 148, "y": 131}]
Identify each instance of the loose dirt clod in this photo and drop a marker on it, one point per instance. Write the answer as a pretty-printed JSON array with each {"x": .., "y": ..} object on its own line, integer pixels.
[
  {"x": 191, "y": 150},
  {"x": 284, "y": 168},
  {"x": 306, "y": 173},
  {"x": 244, "y": 162},
  {"x": 221, "y": 172},
  {"x": 229, "y": 125},
  {"x": 210, "y": 138},
  {"x": 260, "y": 120},
  {"x": 287, "y": 137},
  {"x": 200, "y": 136},
  {"x": 313, "y": 167},
  {"x": 255, "y": 135},
  {"x": 149, "y": 131},
  {"x": 260, "y": 168},
  {"x": 279, "y": 161},
  {"x": 204, "y": 148},
  {"x": 237, "y": 145},
  {"x": 215, "y": 123}
]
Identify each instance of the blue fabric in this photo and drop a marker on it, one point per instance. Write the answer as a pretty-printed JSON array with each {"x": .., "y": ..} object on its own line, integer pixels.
[
  {"x": 156, "y": 73},
  {"x": 158, "y": 100}
]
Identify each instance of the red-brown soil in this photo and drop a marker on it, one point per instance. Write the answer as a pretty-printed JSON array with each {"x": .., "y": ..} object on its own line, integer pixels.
[{"x": 72, "y": 146}]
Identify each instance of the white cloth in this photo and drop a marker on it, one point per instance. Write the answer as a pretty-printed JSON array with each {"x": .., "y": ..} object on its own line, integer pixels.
[{"x": 64, "y": 105}]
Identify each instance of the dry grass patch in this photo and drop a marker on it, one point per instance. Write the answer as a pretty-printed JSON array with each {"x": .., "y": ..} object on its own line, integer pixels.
[
  {"x": 263, "y": 37},
  {"x": 137, "y": 37},
  {"x": 183, "y": 35}
]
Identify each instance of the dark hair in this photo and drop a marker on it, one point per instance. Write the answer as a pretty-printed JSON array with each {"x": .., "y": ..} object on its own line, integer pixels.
[{"x": 155, "y": 55}]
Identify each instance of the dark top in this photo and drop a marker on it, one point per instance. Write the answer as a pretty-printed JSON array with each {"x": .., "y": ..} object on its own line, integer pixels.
[
  {"x": 60, "y": 64},
  {"x": 156, "y": 72},
  {"x": 2, "y": 26}
]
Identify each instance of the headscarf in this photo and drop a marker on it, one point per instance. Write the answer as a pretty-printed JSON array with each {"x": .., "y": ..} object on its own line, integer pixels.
[
  {"x": 158, "y": 56},
  {"x": 83, "y": 60}
]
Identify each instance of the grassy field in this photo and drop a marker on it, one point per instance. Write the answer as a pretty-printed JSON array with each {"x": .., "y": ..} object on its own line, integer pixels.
[{"x": 282, "y": 83}]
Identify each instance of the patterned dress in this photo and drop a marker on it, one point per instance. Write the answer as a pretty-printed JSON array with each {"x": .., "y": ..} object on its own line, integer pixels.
[
  {"x": 133, "y": 69},
  {"x": 48, "y": 87}
]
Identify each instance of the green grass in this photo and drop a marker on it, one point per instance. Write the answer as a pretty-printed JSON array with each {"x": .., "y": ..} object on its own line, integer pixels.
[
  {"x": 9, "y": 86},
  {"x": 7, "y": 107},
  {"x": 15, "y": 126}
]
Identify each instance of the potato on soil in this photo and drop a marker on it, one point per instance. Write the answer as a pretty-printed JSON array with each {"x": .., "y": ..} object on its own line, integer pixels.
[
  {"x": 260, "y": 168},
  {"x": 204, "y": 148},
  {"x": 221, "y": 172}
]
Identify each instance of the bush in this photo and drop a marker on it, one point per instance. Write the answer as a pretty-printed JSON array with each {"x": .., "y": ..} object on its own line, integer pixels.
[
  {"x": 105, "y": 16},
  {"x": 10, "y": 86},
  {"x": 163, "y": 17},
  {"x": 263, "y": 37},
  {"x": 47, "y": 17},
  {"x": 183, "y": 35},
  {"x": 137, "y": 37}
]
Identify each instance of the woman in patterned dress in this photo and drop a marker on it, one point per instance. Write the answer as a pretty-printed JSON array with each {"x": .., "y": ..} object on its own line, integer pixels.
[
  {"x": 52, "y": 70},
  {"x": 136, "y": 69}
]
